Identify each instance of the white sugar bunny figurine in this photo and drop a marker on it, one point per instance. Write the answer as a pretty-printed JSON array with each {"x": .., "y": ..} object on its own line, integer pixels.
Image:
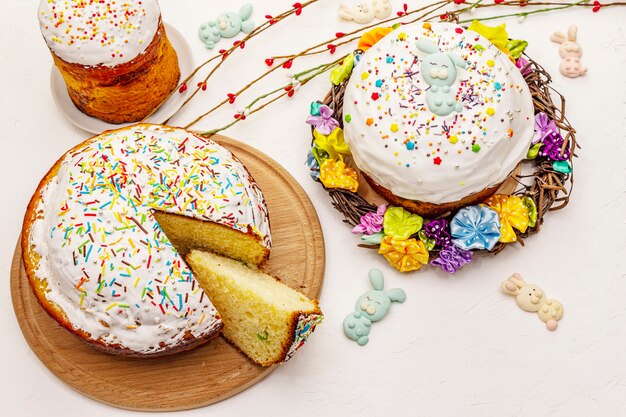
[
  {"x": 530, "y": 297},
  {"x": 382, "y": 8},
  {"x": 364, "y": 12},
  {"x": 571, "y": 52}
]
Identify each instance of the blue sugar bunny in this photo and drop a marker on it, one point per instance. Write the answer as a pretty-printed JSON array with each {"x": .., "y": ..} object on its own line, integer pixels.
[
  {"x": 439, "y": 70},
  {"x": 371, "y": 307},
  {"x": 226, "y": 25}
]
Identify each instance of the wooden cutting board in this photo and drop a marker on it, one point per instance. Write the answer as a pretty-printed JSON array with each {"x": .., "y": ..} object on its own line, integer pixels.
[{"x": 206, "y": 374}]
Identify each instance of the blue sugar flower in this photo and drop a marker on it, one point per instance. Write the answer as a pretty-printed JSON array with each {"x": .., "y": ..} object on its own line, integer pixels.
[
  {"x": 475, "y": 227},
  {"x": 313, "y": 165}
]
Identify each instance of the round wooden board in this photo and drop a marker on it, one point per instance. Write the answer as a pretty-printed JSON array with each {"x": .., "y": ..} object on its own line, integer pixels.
[{"x": 208, "y": 373}]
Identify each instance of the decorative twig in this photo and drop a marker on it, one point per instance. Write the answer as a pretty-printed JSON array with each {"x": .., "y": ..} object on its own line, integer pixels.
[
  {"x": 330, "y": 45},
  {"x": 288, "y": 89},
  {"x": 287, "y": 62},
  {"x": 436, "y": 6},
  {"x": 450, "y": 16},
  {"x": 523, "y": 14},
  {"x": 224, "y": 54},
  {"x": 320, "y": 51}
]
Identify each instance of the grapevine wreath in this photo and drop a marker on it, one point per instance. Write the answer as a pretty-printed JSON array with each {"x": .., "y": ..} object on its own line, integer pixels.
[{"x": 449, "y": 240}]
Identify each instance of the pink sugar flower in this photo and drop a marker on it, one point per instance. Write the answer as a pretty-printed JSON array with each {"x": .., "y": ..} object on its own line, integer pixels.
[
  {"x": 522, "y": 64},
  {"x": 371, "y": 222}
]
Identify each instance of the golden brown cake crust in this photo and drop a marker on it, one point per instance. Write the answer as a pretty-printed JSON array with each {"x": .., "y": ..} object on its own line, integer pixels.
[
  {"x": 287, "y": 342},
  {"x": 430, "y": 210},
  {"x": 29, "y": 257},
  {"x": 128, "y": 92}
]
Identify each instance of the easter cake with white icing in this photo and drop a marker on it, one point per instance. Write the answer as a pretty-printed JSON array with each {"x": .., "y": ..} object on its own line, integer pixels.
[
  {"x": 436, "y": 117},
  {"x": 114, "y": 56},
  {"x": 98, "y": 236}
]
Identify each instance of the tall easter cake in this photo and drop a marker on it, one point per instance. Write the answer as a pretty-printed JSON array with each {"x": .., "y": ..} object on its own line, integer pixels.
[
  {"x": 436, "y": 117},
  {"x": 114, "y": 56},
  {"x": 98, "y": 233}
]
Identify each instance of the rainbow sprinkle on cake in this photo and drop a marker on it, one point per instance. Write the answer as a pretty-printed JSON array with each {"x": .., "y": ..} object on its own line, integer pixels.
[{"x": 107, "y": 263}]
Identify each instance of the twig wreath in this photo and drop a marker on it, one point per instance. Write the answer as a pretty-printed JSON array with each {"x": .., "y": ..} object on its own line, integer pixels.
[{"x": 407, "y": 240}]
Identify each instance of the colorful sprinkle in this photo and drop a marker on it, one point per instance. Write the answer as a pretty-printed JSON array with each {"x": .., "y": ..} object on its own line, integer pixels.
[{"x": 122, "y": 266}]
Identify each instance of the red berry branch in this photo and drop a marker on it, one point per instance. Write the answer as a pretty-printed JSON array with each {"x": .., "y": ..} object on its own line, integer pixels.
[
  {"x": 332, "y": 44},
  {"x": 288, "y": 61},
  {"x": 288, "y": 90},
  {"x": 429, "y": 12},
  {"x": 405, "y": 7},
  {"x": 225, "y": 53}
]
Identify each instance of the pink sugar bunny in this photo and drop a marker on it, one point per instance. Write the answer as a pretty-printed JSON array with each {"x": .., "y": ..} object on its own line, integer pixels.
[{"x": 571, "y": 52}]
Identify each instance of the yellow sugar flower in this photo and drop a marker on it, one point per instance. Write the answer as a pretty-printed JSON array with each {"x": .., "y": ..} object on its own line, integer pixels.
[
  {"x": 335, "y": 174},
  {"x": 496, "y": 35},
  {"x": 404, "y": 255},
  {"x": 512, "y": 213},
  {"x": 333, "y": 144}
]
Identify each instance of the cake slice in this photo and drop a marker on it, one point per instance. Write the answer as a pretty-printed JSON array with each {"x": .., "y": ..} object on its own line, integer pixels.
[
  {"x": 186, "y": 233},
  {"x": 264, "y": 318}
]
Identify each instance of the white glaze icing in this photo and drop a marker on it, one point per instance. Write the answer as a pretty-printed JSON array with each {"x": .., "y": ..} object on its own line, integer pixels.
[
  {"x": 105, "y": 257},
  {"x": 398, "y": 114},
  {"x": 98, "y": 32}
]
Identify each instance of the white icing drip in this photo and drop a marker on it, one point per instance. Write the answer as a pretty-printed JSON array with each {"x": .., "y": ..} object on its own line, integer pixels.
[
  {"x": 96, "y": 32},
  {"x": 458, "y": 175},
  {"x": 86, "y": 214}
]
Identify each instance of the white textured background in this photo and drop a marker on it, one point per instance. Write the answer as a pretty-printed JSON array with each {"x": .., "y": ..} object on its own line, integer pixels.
[{"x": 457, "y": 346}]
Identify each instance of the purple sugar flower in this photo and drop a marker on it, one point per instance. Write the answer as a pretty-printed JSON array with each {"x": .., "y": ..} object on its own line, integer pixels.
[
  {"x": 551, "y": 148},
  {"x": 371, "y": 222},
  {"x": 544, "y": 127},
  {"x": 324, "y": 123},
  {"x": 452, "y": 258},
  {"x": 438, "y": 230}
]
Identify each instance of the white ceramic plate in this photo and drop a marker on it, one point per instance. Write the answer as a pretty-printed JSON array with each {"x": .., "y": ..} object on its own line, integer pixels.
[{"x": 93, "y": 125}]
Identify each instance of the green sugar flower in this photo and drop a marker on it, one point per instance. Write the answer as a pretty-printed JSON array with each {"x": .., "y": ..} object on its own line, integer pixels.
[
  {"x": 532, "y": 210},
  {"x": 343, "y": 71},
  {"x": 516, "y": 47},
  {"x": 400, "y": 224}
]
